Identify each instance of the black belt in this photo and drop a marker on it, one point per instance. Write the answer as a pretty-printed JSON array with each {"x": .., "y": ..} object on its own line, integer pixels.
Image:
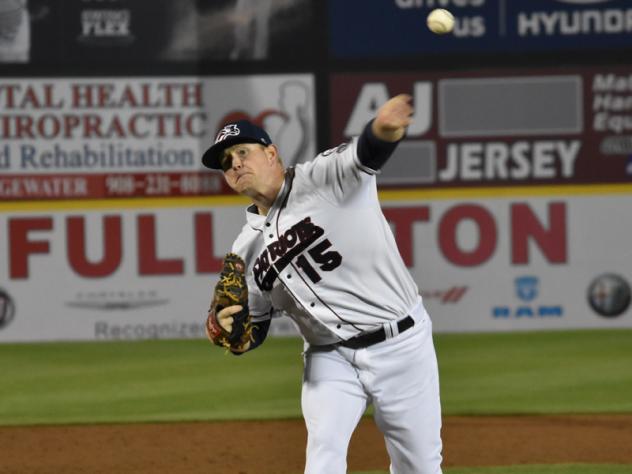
[{"x": 368, "y": 339}]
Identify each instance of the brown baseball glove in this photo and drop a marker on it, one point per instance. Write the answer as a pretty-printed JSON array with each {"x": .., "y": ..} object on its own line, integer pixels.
[{"x": 230, "y": 290}]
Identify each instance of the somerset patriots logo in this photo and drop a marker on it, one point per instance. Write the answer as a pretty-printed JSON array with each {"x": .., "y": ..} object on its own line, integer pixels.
[{"x": 227, "y": 131}]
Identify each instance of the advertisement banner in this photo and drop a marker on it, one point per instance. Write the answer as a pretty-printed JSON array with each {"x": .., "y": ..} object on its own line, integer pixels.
[
  {"x": 87, "y": 138},
  {"x": 498, "y": 128},
  {"x": 482, "y": 26},
  {"x": 482, "y": 261},
  {"x": 124, "y": 33}
]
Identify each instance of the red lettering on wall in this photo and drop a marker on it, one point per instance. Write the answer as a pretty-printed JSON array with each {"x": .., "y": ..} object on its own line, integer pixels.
[
  {"x": 148, "y": 262},
  {"x": 205, "y": 261},
  {"x": 402, "y": 219},
  {"x": 525, "y": 225},
  {"x": 111, "y": 244},
  {"x": 20, "y": 247},
  {"x": 486, "y": 231}
]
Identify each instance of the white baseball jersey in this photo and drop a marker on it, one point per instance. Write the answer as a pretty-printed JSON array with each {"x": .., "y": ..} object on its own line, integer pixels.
[{"x": 315, "y": 255}]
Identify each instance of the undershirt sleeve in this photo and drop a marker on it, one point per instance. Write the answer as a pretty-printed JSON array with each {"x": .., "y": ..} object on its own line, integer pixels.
[
  {"x": 373, "y": 152},
  {"x": 259, "y": 333}
]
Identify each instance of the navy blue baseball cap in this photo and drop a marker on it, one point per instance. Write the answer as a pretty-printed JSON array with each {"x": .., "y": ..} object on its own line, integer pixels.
[{"x": 231, "y": 134}]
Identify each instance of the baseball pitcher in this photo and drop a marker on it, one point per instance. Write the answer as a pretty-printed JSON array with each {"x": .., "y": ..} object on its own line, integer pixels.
[{"x": 316, "y": 246}]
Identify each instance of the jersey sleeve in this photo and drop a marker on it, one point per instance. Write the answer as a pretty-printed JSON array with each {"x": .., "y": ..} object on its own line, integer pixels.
[
  {"x": 259, "y": 304},
  {"x": 337, "y": 174},
  {"x": 345, "y": 168}
]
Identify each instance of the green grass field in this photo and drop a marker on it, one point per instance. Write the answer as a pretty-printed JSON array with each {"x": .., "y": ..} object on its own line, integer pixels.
[
  {"x": 492, "y": 374},
  {"x": 513, "y": 373},
  {"x": 536, "y": 373}
]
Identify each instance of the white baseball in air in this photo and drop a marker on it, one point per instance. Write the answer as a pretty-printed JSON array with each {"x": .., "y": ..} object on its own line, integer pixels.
[{"x": 440, "y": 21}]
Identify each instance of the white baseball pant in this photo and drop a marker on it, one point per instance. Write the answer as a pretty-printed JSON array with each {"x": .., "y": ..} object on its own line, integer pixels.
[{"x": 399, "y": 377}]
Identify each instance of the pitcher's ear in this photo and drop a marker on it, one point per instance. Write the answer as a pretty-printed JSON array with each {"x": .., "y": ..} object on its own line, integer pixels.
[{"x": 272, "y": 152}]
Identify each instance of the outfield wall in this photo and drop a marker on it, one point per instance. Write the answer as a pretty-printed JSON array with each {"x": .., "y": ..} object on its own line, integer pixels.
[{"x": 122, "y": 270}]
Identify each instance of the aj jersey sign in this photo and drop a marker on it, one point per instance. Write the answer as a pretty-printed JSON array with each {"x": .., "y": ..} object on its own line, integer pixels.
[{"x": 508, "y": 128}]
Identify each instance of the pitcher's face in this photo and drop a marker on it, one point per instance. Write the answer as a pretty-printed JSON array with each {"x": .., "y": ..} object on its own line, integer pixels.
[{"x": 247, "y": 166}]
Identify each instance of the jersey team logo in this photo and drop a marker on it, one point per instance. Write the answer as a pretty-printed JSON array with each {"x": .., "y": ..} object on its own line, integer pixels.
[
  {"x": 290, "y": 247},
  {"x": 228, "y": 131}
]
